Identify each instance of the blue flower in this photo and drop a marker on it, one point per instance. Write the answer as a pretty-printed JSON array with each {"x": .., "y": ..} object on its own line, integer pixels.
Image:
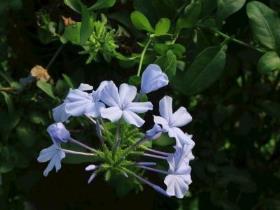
[
  {"x": 121, "y": 104},
  {"x": 179, "y": 173},
  {"x": 54, "y": 154},
  {"x": 79, "y": 102},
  {"x": 170, "y": 122},
  {"x": 153, "y": 79},
  {"x": 58, "y": 133}
]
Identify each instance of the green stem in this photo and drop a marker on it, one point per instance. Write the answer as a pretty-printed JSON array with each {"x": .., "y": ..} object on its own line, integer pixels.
[
  {"x": 237, "y": 41},
  {"x": 143, "y": 55},
  {"x": 54, "y": 56}
]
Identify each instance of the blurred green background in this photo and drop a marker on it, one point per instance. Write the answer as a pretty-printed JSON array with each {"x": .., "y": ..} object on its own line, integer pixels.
[{"x": 222, "y": 57}]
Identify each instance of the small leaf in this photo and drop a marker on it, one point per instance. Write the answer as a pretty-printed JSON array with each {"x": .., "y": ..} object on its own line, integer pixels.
[
  {"x": 270, "y": 61},
  {"x": 74, "y": 5},
  {"x": 162, "y": 26},
  {"x": 204, "y": 71},
  {"x": 228, "y": 7},
  {"x": 46, "y": 87},
  {"x": 140, "y": 21},
  {"x": 265, "y": 24},
  {"x": 102, "y": 4},
  {"x": 86, "y": 25},
  {"x": 168, "y": 63},
  {"x": 191, "y": 15},
  {"x": 72, "y": 33}
]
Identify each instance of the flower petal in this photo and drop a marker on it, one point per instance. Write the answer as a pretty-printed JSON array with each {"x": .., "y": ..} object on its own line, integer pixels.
[
  {"x": 180, "y": 118},
  {"x": 154, "y": 133},
  {"x": 59, "y": 113},
  {"x": 153, "y": 79},
  {"x": 165, "y": 107},
  {"x": 132, "y": 118},
  {"x": 110, "y": 95},
  {"x": 112, "y": 113},
  {"x": 127, "y": 93},
  {"x": 94, "y": 110},
  {"x": 85, "y": 87},
  {"x": 140, "y": 107},
  {"x": 163, "y": 122}
]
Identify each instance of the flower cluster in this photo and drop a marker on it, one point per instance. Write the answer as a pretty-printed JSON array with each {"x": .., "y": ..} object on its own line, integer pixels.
[{"x": 122, "y": 107}]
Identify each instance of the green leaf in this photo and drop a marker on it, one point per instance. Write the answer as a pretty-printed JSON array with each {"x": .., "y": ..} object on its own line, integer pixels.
[
  {"x": 72, "y": 33},
  {"x": 228, "y": 7},
  {"x": 162, "y": 26},
  {"x": 46, "y": 87},
  {"x": 163, "y": 141},
  {"x": 265, "y": 24},
  {"x": 168, "y": 63},
  {"x": 191, "y": 15},
  {"x": 9, "y": 102},
  {"x": 134, "y": 80},
  {"x": 86, "y": 25},
  {"x": 204, "y": 71},
  {"x": 74, "y": 5},
  {"x": 270, "y": 61},
  {"x": 102, "y": 4},
  {"x": 140, "y": 21},
  {"x": 68, "y": 81}
]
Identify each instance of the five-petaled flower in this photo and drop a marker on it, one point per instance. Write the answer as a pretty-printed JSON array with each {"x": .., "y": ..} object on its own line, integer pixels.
[
  {"x": 170, "y": 122},
  {"x": 120, "y": 104}
]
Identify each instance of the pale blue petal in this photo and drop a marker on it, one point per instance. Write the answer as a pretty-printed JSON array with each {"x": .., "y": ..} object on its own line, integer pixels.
[
  {"x": 127, "y": 93},
  {"x": 153, "y": 79},
  {"x": 78, "y": 95},
  {"x": 78, "y": 108},
  {"x": 85, "y": 87},
  {"x": 110, "y": 95},
  {"x": 59, "y": 113},
  {"x": 180, "y": 118},
  {"x": 140, "y": 107},
  {"x": 111, "y": 113},
  {"x": 90, "y": 167},
  {"x": 97, "y": 94},
  {"x": 163, "y": 122},
  {"x": 94, "y": 110},
  {"x": 132, "y": 118},
  {"x": 58, "y": 133},
  {"x": 154, "y": 133},
  {"x": 165, "y": 107}
]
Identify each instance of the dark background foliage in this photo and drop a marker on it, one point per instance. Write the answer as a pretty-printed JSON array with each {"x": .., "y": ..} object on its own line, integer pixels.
[{"x": 221, "y": 57}]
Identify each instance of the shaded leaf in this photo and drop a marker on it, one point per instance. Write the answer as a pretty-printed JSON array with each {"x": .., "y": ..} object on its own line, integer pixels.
[
  {"x": 102, "y": 4},
  {"x": 204, "y": 71},
  {"x": 162, "y": 26},
  {"x": 228, "y": 7},
  {"x": 140, "y": 21},
  {"x": 265, "y": 24},
  {"x": 270, "y": 61}
]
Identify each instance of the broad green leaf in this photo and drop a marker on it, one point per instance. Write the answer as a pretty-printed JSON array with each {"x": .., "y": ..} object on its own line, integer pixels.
[
  {"x": 191, "y": 15},
  {"x": 270, "y": 61},
  {"x": 204, "y": 71},
  {"x": 140, "y": 21},
  {"x": 228, "y": 7},
  {"x": 265, "y": 24},
  {"x": 86, "y": 25},
  {"x": 168, "y": 63},
  {"x": 46, "y": 87},
  {"x": 163, "y": 141},
  {"x": 72, "y": 33},
  {"x": 102, "y": 4},
  {"x": 74, "y": 5},
  {"x": 162, "y": 26}
]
